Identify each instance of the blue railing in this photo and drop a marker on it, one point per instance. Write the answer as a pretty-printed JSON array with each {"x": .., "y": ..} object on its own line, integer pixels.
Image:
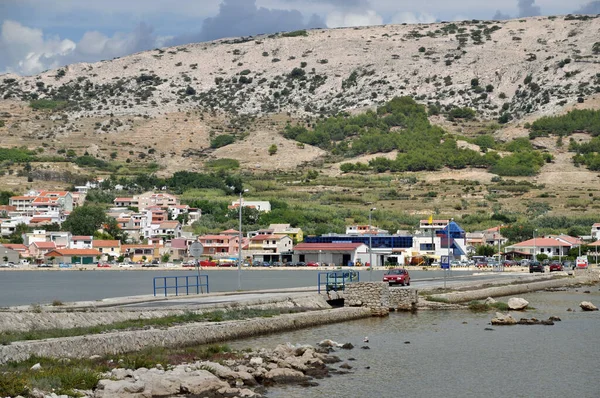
[
  {"x": 336, "y": 280},
  {"x": 184, "y": 284}
]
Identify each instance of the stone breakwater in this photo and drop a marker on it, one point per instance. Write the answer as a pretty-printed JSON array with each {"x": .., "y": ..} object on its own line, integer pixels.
[
  {"x": 519, "y": 288},
  {"x": 59, "y": 317},
  {"x": 188, "y": 334}
]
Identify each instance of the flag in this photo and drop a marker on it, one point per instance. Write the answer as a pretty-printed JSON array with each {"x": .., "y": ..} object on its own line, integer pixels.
[{"x": 431, "y": 219}]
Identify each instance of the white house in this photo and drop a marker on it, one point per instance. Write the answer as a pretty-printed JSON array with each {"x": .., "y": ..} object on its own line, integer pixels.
[{"x": 262, "y": 206}]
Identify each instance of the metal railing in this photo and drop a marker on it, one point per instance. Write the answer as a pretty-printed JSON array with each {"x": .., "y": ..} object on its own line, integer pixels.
[
  {"x": 337, "y": 280},
  {"x": 183, "y": 284}
]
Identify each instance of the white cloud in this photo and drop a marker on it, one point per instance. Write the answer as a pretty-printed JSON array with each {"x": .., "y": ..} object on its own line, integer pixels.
[
  {"x": 412, "y": 18},
  {"x": 26, "y": 50},
  {"x": 338, "y": 19}
]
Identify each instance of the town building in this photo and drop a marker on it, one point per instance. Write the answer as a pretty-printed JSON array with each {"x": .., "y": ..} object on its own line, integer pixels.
[
  {"x": 539, "y": 245},
  {"x": 365, "y": 230},
  {"x": 270, "y": 248},
  {"x": 346, "y": 253},
  {"x": 8, "y": 255},
  {"x": 109, "y": 249},
  {"x": 72, "y": 256}
]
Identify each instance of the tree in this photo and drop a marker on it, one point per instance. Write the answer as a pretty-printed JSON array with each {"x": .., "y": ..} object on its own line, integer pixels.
[
  {"x": 518, "y": 232},
  {"x": 485, "y": 250},
  {"x": 272, "y": 150},
  {"x": 165, "y": 257},
  {"x": 85, "y": 220}
]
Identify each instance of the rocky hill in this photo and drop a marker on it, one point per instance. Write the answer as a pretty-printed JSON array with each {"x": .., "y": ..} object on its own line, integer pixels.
[{"x": 166, "y": 105}]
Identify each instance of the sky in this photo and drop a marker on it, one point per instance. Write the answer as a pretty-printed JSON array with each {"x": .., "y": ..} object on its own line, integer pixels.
[{"x": 37, "y": 35}]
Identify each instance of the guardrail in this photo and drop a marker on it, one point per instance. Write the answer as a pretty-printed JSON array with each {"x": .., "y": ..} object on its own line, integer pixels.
[
  {"x": 182, "y": 283},
  {"x": 336, "y": 280}
]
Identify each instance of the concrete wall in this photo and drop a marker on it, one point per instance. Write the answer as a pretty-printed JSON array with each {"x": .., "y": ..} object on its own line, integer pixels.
[
  {"x": 188, "y": 334},
  {"x": 403, "y": 299},
  {"x": 57, "y": 318}
]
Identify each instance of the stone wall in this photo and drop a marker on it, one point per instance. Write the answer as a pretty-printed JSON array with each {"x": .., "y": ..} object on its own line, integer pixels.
[
  {"x": 50, "y": 317},
  {"x": 403, "y": 299},
  {"x": 379, "y": 297},
  {"x": 372, "y": 295},
  {"x": 187, "y": 334}
]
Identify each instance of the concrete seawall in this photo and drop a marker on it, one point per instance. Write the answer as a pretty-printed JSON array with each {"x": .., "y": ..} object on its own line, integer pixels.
[
  {"x": 189, "y": 334},
  {"x": 51, "y": 317}
]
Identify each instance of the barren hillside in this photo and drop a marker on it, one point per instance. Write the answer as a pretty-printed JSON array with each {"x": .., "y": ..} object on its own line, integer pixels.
[{"x": 166, "y": 105}]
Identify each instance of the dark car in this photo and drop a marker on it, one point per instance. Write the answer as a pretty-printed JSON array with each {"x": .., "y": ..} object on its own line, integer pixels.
[
  {"x": 397, "y": 276},
  {"x": 149, "y": 265},
  {"x": 536, "y": 266},
  {"x": 555, "y": 266}
]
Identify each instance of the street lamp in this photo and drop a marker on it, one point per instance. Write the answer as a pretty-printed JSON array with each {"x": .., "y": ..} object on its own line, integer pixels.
[
  {"x": 534, "y": 248},
  {"x": 371, "y": 246},
  {"x": 240, "y": 243}
]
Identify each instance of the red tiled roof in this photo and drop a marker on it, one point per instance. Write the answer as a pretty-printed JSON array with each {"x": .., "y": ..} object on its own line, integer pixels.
[
  {"x": 22, "y": 197},
  {"x": 72, "y": 252},
  {"x": 106, "y": 243},
  {"x": 81, "y": 237},
  {"x": 595, "y": 244},
  {"x": 179, "y": 244},
  {"x": 169, "y": 224},
  {"x": 267, "y": 237},
  {"x": 570, "y": 239},
  {"x": 213, "y": 237},
  {"x": 123, "y": 200},
  {"x": 15, "y": 246},
  {"x": 125, "y": 247},
  {"x": 327, "y": 246},
  {"x": 45, "y": 245},
  {"x": 546, "y": 242},
  {"x": 53, "y": 193}
]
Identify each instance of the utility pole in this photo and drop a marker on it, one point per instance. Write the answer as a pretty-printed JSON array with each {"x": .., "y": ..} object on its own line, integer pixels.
[{"x": 371, "y": 246}]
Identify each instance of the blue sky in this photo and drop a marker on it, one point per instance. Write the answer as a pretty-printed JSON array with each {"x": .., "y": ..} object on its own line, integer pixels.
[{"x": 36, "y": 35}]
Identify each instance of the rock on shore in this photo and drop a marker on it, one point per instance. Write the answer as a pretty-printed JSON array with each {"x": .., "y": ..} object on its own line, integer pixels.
[
  {"x": 588, "y": 306},
  {"x": 245, "y": 377}
]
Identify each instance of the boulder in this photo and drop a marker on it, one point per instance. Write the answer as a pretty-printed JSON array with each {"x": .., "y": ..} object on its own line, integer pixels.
[
  {"x": 329, "y": 343},
  {"x": 285, "y": 375},
  {"x": 490, "y": 301},
  {"x": 122, "y": 389},
  {"x": 501, "y": 319},
  {"x": 588, "y": 306},
  {"x": 202, "y": 387},
  {"x": 517, "y": 304}
]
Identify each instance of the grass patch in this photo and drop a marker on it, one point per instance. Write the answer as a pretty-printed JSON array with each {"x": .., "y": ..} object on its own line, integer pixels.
[
  {"x": 46, "y": 104},
  {"x": 66, "y": 377},
  {"x": 478, "y": 306},
  {"x": 437, "y": 299},
  {"x": 8, "y": 337},
  {"x": 222, "y": 164}
]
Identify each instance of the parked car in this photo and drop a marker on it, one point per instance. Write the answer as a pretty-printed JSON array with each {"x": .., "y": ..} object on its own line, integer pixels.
[
  {"x": 536, "y": 266},
  {"x": 44, "y": 265},
  {"x": 397, "y": 276},
  {"x": 312, "y": 264},
  {"x": 64, "y": 265},
  {"x": 103, "y": 265},
  {"x": 556, "y": 266},
  {"x": 125, "y": 265},
  {"x": 149, "y": 265},
  {"x": 228, "y": 264},
  {"x": 208, "y": 263},
  {"x": 189, "y": 264},
  {"x": 567, "y": 264}
]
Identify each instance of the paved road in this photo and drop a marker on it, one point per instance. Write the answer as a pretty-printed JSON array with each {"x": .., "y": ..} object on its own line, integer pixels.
[{"x": 225, "y": 298}]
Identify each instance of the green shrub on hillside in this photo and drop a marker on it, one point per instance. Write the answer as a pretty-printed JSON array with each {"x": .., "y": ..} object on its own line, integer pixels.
[
  {"x": 223, "y": 164},
  {"x": 587, "y": 120},
  {"x": 519, "y": 164},
  {"x": 461, "y": 113},
  {"x": 90, "y": 161},
  {"x": 17, "y": 155},
  {"x": 296, "y": 33},
  {"x": 1, "y": 123},
  {"x": 47, "y": 104},
  {"x": 222, "y": 140}
]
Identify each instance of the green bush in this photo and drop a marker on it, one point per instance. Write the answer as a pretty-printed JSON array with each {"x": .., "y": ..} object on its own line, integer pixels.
[
  {"x": 1, "y": 123},
  {"x": 222, "y": 140},
  {"x": 46, "y": 104},
  {"x": 576, "y": 120},
  {"x": 223, "y": 164},
  {"x": 461, "y": 113},
  {"x": 519, "y": 164},
  {"x": 296, "y": 33}
]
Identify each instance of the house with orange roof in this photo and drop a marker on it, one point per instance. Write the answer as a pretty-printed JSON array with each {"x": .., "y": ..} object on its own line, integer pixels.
[
  {"x": 107, "y": 248},
  {"x": 541, "y": 245},
  {"x": 74, "y": 256},
  {"x": 8, "y": 255},
  {"x": 270, "y": 247},
  {"x": 19, "y": 248},
  {"x": 144, "y": 253},
  {"x": 220, "y": 245},
  {"x": 37, "y": 250}
]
